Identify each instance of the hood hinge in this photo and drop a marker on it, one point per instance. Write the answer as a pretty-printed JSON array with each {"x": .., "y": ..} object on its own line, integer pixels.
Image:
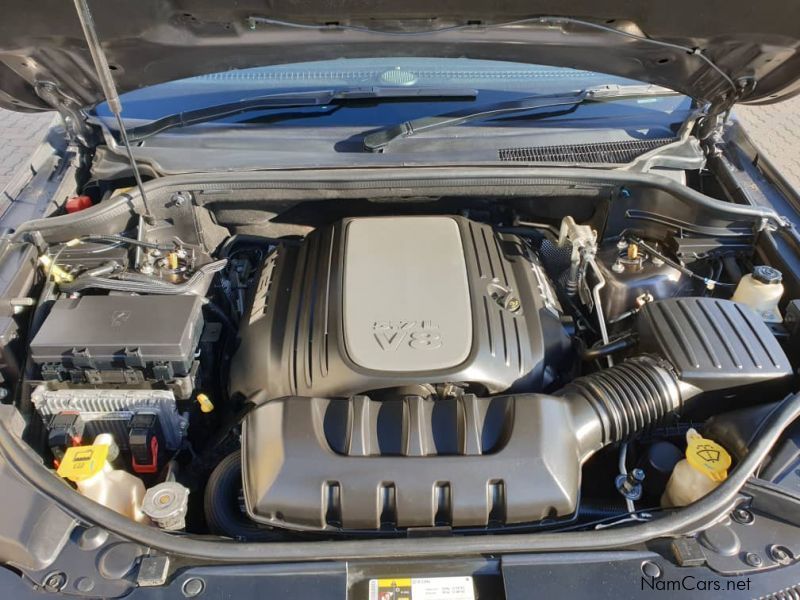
[
  {"x": 78, "y": 129},
  {"x": 711, "y": 126}
]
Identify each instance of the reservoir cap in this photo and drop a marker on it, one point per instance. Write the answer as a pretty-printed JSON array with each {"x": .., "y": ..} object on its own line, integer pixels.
[
  {"x": 707, "y": 456},
  {"x": 82, "y": 462},
  {"x": 766, "y": 274}
]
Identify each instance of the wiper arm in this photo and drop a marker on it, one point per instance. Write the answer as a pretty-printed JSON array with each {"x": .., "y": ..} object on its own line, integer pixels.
[
  {"x": 291, "y": 100},
  {"x": 379, "y": 139}
]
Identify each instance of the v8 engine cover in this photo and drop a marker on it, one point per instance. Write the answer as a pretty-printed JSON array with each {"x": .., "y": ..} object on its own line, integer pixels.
[{"x": 374, "y": 303}]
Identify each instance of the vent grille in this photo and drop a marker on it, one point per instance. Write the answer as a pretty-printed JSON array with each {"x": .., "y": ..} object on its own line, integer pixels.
[{"x": 605, "y": 152}]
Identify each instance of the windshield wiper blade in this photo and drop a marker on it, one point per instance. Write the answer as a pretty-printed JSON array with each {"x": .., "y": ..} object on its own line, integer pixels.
[
  {"x": 379, "y": 139},
  {"x": 292, "y": 100}
]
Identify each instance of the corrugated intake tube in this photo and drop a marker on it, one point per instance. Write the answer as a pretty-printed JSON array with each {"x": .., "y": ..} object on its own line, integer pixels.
[{"x": 626, "y": 399}]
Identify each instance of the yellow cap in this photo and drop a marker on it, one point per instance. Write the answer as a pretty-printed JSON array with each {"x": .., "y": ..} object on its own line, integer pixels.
[
  {"x": 707, "y": 456},
  {"x": 206, "y": 405},
  {"x": 82, "y": 462},
  {"x": 172, "y": 260}
]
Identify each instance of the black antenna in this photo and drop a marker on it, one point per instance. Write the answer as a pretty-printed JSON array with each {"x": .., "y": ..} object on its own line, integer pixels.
[{"x": 109, "y": 88}]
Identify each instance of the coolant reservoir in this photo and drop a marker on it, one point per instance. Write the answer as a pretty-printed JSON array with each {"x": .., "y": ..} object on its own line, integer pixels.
[
  {"x": 704, "y": 468},
  {"x": 96, "y": 479},
  {"x": 761, "y": 290}
]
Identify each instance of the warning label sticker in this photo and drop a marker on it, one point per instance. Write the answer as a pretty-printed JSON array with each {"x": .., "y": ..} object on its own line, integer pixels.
[{"x": 427, "y": 588}]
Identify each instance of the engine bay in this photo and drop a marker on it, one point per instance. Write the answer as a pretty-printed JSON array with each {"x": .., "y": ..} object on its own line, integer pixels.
[{"x": 276, "y": 366}]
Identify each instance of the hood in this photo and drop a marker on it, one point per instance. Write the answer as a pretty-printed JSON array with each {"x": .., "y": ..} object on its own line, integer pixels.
[{"x": 717, "y": 51}]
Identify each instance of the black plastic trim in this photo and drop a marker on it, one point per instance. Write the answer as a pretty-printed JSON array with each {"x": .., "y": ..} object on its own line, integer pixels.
[
  {"x": 691, "y": 518},
  {"x": 116, "y": 213}
]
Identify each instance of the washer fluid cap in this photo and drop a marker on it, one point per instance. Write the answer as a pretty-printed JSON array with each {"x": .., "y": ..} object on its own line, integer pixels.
[{"x": 707, "y": 456}]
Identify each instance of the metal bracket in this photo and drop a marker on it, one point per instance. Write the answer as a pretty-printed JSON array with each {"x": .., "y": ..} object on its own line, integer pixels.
[
  {"x": 153, "y": 571},
  {"x": 685, "y": 153},
  {"x": 75, "y": 123},
  {"x": 582, "y": 240}
]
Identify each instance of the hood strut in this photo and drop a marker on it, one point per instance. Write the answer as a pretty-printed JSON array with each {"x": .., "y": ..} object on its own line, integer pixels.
[{"x": 109, "y": 88}]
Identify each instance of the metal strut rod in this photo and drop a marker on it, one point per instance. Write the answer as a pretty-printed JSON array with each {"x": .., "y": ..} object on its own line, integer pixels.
[{"x": 109, "y": 88}]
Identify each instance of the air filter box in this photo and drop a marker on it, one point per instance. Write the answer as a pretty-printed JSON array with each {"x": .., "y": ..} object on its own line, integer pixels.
[{"x": 715, "y": 345}]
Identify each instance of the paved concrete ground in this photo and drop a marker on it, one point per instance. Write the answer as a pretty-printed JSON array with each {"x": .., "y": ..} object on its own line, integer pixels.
[
  {"x": 20, "y": 133},
  {"x": 774, "y": 128}
]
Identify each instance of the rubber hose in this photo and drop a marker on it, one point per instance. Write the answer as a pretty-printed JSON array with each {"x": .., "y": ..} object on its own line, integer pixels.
[
  {"x": 254, "y": 240},
  {"x": 628, "y": 398},
  {"x": 220, "y": 314},
  {"x": 143, "y": 284},
  {"x": 119, "y": 239},
  {"x": 590, "y": 354},
  {"x": 732, "y": 269},
  {"x": 109, "y": 217}
]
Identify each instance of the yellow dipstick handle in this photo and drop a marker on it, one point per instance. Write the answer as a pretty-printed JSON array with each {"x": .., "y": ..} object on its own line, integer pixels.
[{"x": 205, "y": 403}]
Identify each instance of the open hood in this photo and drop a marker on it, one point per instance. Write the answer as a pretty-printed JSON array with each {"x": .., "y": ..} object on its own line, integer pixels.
[{"x": 717, "y": 51}]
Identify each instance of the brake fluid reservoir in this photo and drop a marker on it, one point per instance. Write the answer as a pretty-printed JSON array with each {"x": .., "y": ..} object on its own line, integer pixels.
[
  {"x": 761, "y": 290},
  {"x": 95, "y": 478},
  {"x": 704, "y": 468}
]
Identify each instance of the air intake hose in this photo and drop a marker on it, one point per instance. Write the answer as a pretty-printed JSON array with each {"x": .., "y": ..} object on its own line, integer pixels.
[{"x": 615, "y": 404}]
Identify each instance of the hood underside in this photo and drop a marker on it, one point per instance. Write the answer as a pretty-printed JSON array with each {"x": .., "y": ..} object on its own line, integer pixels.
[{"x": 718, "y": 51}]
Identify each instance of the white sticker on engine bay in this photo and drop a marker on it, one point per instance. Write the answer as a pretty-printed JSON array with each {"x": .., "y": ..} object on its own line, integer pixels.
[{"x": 427, "y": 588}]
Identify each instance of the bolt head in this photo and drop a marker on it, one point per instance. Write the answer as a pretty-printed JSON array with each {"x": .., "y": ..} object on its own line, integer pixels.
[
  {"x": 743, "y": 516},
  {"x": 54, "y": 582},
  {"x": 180, "y": 198},
  {"x": 753, "y": 559}
]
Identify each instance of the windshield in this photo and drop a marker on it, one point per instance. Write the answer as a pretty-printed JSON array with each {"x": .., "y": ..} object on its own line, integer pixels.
[
  {"x": 494, "y": 80},
  {"x": 388, "y": 111}
]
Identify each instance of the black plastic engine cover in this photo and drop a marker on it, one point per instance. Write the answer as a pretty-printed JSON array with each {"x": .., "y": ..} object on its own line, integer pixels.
[
  {"x": 381, "y": 302},
  {"x": 362, "y": 464}
]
